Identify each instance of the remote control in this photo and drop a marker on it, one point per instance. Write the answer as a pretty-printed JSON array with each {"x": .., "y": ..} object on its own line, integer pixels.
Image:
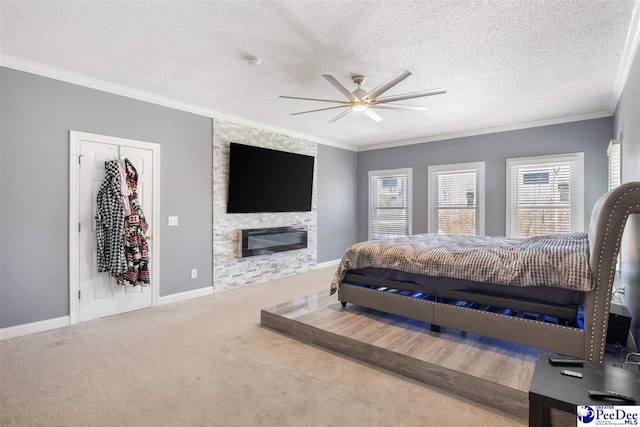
[
  {"x": 571, "y": 373},
  {"x": 566, "y": 362},
  {"x": 598, "y": 394}
]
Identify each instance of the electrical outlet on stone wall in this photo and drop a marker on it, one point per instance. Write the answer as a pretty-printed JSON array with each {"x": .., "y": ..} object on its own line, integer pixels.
[{"x": 303, "y": 258}]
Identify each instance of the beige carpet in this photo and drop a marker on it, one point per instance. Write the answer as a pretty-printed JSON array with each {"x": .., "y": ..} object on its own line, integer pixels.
[{"x": 207, "y": 362}]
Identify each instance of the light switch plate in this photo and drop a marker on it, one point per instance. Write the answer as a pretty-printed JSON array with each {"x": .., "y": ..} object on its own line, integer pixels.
[
  {"x": 194, "y": 273},
  {"x": 173, "y": 221}
]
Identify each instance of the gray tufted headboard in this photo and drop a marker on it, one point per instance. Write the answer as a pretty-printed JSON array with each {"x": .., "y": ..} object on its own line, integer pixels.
[{"x": 608, "y": 219}]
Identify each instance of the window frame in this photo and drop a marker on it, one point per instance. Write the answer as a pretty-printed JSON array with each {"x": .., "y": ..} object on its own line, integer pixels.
[
  {"x": 576, "y": 211},
  {"x": 433, "y": 196},
  {"x": 387, "y": 172}
]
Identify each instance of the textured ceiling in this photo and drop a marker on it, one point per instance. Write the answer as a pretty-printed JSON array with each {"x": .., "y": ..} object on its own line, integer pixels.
[{"x": 502, "y": 62}]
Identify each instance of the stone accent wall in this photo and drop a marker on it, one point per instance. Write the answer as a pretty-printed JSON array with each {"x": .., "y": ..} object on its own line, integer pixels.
[{"x": 229, "y": 271}]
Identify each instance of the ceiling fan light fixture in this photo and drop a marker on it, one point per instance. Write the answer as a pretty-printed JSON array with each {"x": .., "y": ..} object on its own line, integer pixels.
[
  {"x": 360, "y": 100},
  {"x": 359, "y": 106}
]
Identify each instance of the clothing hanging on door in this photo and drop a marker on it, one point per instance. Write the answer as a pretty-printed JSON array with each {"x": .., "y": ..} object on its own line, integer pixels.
[
  {"x": 122, "y": 249},
  {"x": 110, "y": 223},
  {"x": 125, "y": 190},
  {"x": 135, "y": 226}
]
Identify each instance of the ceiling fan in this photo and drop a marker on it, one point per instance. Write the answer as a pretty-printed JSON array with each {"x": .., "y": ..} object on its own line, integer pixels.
[{"x": 361, "y": 101}]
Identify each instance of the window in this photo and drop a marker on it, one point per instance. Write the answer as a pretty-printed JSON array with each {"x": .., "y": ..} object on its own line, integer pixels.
[
  {"x": 545, "y": 195},
  {"x": 615, "y": 167},
  {"x": 389, "y": 203},
  {"x": 613, "y": 152},
  {"x": 456, "y": 199}
]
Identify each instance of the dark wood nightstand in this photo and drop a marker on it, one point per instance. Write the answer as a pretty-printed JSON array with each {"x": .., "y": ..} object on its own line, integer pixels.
[{"x": 550, "y": 389}]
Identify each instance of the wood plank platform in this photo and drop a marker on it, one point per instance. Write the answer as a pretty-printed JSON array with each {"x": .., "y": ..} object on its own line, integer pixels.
[{"x": 486, "y": 370}]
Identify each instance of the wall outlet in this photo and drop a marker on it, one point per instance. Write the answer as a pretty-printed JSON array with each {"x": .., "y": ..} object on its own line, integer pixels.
[
  {"x": 303, "y": 258},
  {"x": 194, "y": 273},
  {"x": 173, "y": 221}
]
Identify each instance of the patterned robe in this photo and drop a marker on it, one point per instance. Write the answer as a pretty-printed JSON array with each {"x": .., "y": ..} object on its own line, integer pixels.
[
  {"x": 110, "y": 223},
  {"x": 135, "y": 244}
]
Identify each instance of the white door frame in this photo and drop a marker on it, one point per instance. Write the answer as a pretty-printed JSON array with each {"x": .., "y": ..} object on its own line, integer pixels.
[{"x": 74, "y": 214}]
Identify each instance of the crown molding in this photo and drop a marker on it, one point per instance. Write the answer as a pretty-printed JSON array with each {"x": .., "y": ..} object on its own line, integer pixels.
[
  {"x": 484, "y": 131},
  {"x": 628, "y": 54},
  {"x": 116, "y": 89}
]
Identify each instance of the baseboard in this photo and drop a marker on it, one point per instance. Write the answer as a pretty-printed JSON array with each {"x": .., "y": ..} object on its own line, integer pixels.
[
  {"x": 32, "y": 328},
  {"x": 59, "y": 322},
  {"x": 328, "y": 263},
  {"x": 182, "y": 296}
]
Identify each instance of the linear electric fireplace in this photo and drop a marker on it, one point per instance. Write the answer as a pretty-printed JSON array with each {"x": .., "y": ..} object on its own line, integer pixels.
[{"x": 264, "y": 241}]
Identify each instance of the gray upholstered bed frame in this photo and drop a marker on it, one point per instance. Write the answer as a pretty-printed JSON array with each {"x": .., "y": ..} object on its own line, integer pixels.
[{"x": 608, "y": 219}]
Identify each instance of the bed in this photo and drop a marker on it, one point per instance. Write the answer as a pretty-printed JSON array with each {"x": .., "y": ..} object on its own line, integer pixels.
[{"x": 559, "y": 302}]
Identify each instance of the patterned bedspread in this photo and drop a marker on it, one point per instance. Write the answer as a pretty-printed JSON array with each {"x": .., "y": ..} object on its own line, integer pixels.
[{"x": 557, "y": 260}]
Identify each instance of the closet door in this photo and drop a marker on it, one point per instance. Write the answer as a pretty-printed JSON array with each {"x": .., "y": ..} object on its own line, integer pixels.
[{"x": 100, "y": 295}]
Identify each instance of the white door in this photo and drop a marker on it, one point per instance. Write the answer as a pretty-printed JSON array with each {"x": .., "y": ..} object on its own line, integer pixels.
[{"x": 100, "y": 295}]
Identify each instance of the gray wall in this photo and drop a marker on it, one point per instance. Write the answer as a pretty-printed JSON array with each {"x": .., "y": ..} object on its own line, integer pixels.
[
  {"x": 590, "y": 136},
  {"x": 37, "y": 115},
  {"x": 336, "y": 201},
  {"x": 627, "y": 122}
]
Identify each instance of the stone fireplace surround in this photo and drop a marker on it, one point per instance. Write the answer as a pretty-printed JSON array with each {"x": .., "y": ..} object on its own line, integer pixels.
[{"x": 229, "y": 271}]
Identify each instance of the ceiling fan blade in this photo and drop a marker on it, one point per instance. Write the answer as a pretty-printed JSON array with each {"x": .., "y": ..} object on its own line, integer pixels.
[
  {"x": 320, "y": 109},
  {"x": 314, "y": 99},
  {"x": 373, "y": 115},
  {"x": 388, "y": 84},
  {"x": 399, "y": 107},
  {"x": 410, "y": 95},
  {"x": 338, "y": 85},
  {"x": 341, "y": 115}
]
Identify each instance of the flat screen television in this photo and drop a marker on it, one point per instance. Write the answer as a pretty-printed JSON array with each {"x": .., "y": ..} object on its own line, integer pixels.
[{"x": 263, "y": 180}]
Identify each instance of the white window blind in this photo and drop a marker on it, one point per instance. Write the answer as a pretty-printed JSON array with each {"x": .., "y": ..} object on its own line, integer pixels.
[
  {"x": 389, "y": 203},
  {"x": 545, "y": 195},
  {"x": 456, "y": 199},
  {"x": 613, "y": 152},
  {"x": 615, "y": 169}
]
